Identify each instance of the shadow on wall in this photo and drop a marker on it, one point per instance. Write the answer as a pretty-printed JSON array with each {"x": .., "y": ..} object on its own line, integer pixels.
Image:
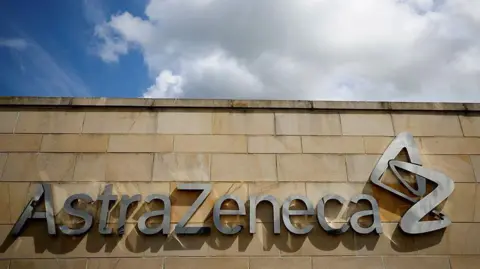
[{"x": 35, "y": 238}]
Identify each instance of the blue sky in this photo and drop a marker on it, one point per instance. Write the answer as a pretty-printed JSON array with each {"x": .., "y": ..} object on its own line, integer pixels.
[
  {"x": 59, "y": 57},
  {"x": 369, "y": 50}
]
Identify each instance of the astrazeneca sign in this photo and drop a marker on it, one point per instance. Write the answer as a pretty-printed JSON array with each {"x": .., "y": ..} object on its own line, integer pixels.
[{"x": 410, "y": 223}]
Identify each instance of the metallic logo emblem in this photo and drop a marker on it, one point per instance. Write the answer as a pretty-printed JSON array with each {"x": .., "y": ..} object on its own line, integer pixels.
[{"x": 422, "y": 204}]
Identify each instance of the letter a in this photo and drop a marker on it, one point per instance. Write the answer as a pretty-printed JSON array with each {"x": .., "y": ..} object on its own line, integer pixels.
[{"x": 41, "y": 191}]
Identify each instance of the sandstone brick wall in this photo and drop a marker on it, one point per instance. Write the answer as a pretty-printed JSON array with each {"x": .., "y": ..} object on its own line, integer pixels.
[{"x": 242, "y": 147}]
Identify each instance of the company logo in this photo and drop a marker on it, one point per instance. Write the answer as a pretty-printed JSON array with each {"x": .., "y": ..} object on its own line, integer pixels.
[{"x": 423, "y": 205}]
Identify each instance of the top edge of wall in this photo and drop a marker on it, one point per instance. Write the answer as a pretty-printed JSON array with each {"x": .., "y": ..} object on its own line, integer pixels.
[{"x": 234, "y": 104}]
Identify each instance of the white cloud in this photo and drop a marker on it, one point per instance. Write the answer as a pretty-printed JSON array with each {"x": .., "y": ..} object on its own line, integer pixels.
[
  {"x": 305, "y": 49},
  {"x": 14, "y": 43}
]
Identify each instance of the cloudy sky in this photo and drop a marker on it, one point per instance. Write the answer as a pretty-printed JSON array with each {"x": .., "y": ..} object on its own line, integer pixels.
[{"x": 409, "y": 50}]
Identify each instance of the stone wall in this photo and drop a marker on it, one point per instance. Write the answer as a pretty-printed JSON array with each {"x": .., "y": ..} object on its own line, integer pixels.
[{"x": 244, "y": 148}]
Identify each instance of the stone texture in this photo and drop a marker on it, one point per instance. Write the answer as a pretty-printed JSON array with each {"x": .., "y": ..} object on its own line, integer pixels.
[
  {"x": 391, "y": 242},
  {"x": 4, "y": 264},
  {"x": 457, "y": 167},
  {"x": 20, "y": 142},
  {"x": 332, "y": 144},
  {"x": 450, "y": 145},
  {"x": 416, "y": 262},
  {"x": 3, "y": 160},
  {"x": 140, "y": 143},
  {"x": 8, "y": 119},
  {"x": 457, "y": 239},
  {"x": 274, "y": 144},
  {"x": 206, "y": 263},
  {"x": 49, "y": 263},
  {"x": 49, "y": 122},
  {"x": 244, "y": 244},
  {"x": 476, "y": 217},
  {"x": 119, "y": 122},
  {"x": 475, "y": 159},
  {"x": 39, "y": 167},
  {"x": 180, "y": 122},
  {"x": 359, "y": 167},
  {"x": 470, "y": 125},
  {"x": 125, "y": 263},
  {"x": 181, "y": 167},
  {"x": 74, "y": 143},
  {"x": 307, "y": 124},
  {"x": 4, "y": 203},
  {"x": 90, "y": 167},
  {"x": 427, "y": 124},
  {"x": 372, "y": 124},
  {"x": 353, "y": 105},
  {"x": 211, "y": 143},
  {"x": 311, "y": 167},
  {"x": 347, "y": 262},
  {"x": 271, "y": 104},
  {"x": 129, "y": 167},
  {"x": 243, "y": 167},
  {"x": 280, "y": 263},
  {"x": 469, "y": 262},
  {"x": 458, "y": 206},
  {"x": 243, "y": 123},
  {"x": 191, "y": 103},
  {"x": 376, "y": 144}
]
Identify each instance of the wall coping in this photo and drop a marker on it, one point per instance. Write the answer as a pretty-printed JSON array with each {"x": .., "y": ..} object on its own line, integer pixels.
[{"x": 235, "y": 104}]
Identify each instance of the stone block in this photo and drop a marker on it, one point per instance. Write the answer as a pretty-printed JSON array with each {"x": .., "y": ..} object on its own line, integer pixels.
[
  {"x": 347, "y": 262},
  {"x": 332, "y": 144},
  {"x": 371, "y": 124},
  {"x": 49, "y": 122},
  {"x": 74, "y": 143},
  {"x": 3, "y": 160},
  {"x": 280, "y": 263},
  {"x": 456, "y": 239},
  {"x": 90, "y": 167},
  {"x": 307, "y": 124},
  {"x": 427, "y": 124},
  {"x": 140, "y": 143},
  {"x": 475, "y": 159},
  {"x": 359, "y": 167},
  {"x": 376, "y": 144},
  {"x": 244, "y": 244},
  {"x": 183, "y": 200},
  {"x": 470, "y": 125},
  {"x": 477, "y": 204},
  {"x": 4, "y": 203},
  {"x": 458, "y": 206},
  {"x": 311, "y": 167},
  {"x": 8, "y": 119},
  {"x": 243, "y": 167},
  {"x": 20, "y": 142},
  {"x": 4, "y": 264},
  {"x": 450, "y": 145},
  {"x": 416, "y": 262},
  {"x": 351, "y": 105},
  {"x": 391, "y": 242},
  {"x": 246, "y": 123},
  {"x": 211, "y": 143},
  {"x": 181, "y": 167},
  {"x": 206, "y": 263},
  {"x": 49, "y": 263},
  {"x": 274, "y": 144},
  {"x": 316, "y": 243},
  {"x": 462, "y": 262},
  {"x": 180, "y": 122},
  {"x": 119, "y": 122},
  {"x": 457, "y": 167},
  {"x": 125, "y": 263},
  {"x": 39, "y": 167},
  {"x": 129, "y": 167}
]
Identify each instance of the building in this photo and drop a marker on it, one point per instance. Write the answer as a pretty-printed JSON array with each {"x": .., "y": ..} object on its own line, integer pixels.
[{"x": 52, "y": 148}]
